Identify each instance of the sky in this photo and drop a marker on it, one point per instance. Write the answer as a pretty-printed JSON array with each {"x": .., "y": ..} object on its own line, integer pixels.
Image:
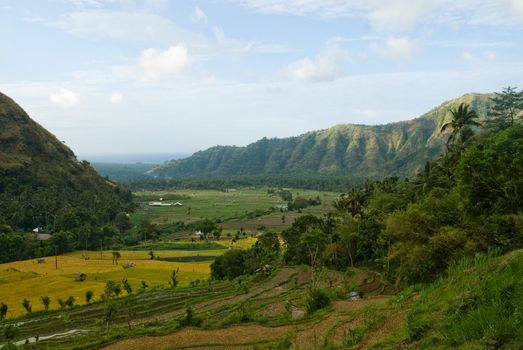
[{"x": 158, "y": 76}]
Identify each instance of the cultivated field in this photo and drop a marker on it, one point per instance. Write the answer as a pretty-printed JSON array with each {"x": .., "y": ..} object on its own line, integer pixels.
[
  {"x": 235, "y": 208},
  {"x": 268, "y": 314},
  {"x": 32, "y": 280}
]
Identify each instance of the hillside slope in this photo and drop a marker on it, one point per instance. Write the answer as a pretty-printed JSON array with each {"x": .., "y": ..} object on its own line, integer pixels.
[
  {"x": 355, "y": 150},
  {"x": 478, "y": 306},
  {"x": 41, "y": 180}
]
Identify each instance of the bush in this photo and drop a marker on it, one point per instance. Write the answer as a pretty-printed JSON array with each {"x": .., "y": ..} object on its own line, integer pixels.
[
  {"x": 190, "y": 319},
  {"x": 416, "y": 326},
  {"x": 317, "y": 300}
]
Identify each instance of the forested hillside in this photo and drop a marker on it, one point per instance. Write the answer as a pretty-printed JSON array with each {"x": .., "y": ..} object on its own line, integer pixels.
[
  {"x": 357, "y": 151},
  {"x": 42, "y": 184}
]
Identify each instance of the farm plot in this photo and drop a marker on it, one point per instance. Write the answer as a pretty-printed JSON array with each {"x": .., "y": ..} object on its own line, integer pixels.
[
  {"x": 248, "y": 208},
  {"x": 31, "y": 279}
]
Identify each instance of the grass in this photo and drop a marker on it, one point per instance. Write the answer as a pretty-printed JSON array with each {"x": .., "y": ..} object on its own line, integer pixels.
[
  {"x": 28, "y": 279},
  {"x": 235, "y": 208},
  {"x": 479, "y": 303}
]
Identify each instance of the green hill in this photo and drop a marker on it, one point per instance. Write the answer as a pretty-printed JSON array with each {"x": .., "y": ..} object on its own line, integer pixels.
[
  {"x": 359, "y": 151},
  {"x": 43, "y": 184}
]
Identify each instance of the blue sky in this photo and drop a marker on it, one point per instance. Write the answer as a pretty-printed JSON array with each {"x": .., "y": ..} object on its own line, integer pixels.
[{"x": 129, "y": 76}]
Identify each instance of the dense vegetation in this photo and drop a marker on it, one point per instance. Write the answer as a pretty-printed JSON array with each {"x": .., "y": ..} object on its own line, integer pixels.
[
  {"x": 43, "y": 185},
  {"x": 222, "y": 183},
  {"x": 469, "y": 200},
  {"x": 355, "y": 151}
]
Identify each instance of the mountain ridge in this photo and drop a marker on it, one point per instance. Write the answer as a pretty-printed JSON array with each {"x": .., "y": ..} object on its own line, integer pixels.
[
  {"x": 356, "y": 150},
  {"x": 42, "y": 182}
]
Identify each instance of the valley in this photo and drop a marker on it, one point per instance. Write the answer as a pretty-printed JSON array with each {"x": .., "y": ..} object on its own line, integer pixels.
[
  {"x": 261, "y": 175},
  {"x": 428, "y": 261}
]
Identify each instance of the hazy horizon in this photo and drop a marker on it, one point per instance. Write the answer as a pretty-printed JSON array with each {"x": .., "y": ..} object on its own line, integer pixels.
[
  {"x": 132, "y": 157},
  {"x": 130, "y": 76}
]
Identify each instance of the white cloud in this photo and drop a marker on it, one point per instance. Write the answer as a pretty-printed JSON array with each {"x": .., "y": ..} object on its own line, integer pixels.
[
  {"x": 233, "y": 46},
  {"x": 398, "y": 48},
  {"x": 198, "y": 15},
  {"x": 467, "y": 56},
  {"x": 64, "y": 98},
  {"x": 146, "y": 28},
  {"x": 135, "y": 26},
  {"x": 323, "y": 67},
  {"x": 330, "y": 8},
  {"x": 157, "y": 64},
  {"x": 86, "y": 3},
  {"x": 480, "y": 58},
  {"x": 384, "y": 15},
  {"x": 517, "y": 6},
  {"x": 116, "y": 98},
  {"x": 396, "y": 15}
]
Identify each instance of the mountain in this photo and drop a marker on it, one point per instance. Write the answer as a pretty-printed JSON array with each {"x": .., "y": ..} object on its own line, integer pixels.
[
  {"x": 42, "y": 183},
  {"x": 358, "y": 151}
]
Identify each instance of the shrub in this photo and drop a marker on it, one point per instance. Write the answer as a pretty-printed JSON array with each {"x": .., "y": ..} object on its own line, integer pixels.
[
  {"x": 416, "y": 326},
  {"x": 317, "y": 300}
]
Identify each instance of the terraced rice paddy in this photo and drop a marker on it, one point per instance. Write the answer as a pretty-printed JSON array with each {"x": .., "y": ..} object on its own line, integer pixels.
[
  {"x": 32, "y": 280},
  {"x": 267, "y": 302}
]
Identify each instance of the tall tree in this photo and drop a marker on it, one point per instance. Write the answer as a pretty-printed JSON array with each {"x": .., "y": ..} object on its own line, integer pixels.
[
  {"x": 505, "y": 109},
  {"x": 352, "y": 202},
  {"x": 461, "y": 122}
]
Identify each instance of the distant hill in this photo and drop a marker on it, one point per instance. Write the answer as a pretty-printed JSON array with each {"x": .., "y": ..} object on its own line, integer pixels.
[
  {"x": 357, "y": 151},
  {"x": 43, "y": 184},
  {"x": 121, "y": 172}
]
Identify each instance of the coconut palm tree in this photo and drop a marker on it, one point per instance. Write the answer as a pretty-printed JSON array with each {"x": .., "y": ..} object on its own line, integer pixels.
[
  {"x": 351, "y": 202},
  {"x": 461, "y": 122}
]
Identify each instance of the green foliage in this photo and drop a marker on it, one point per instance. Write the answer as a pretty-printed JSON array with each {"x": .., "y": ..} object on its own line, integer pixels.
[
  {"x": 286, "y": 342},
  {"x": 46, "y": 301},
  {"x": 69, "y": 302},
  {"x": 26, "y": 304},
  {"x": 417, "y": 326},
  {"x": 42, "y": 184},
  {"x": 10, "y": 332},
  {"x": 461, "y": 122},
  {"x": 173, "y": 282},
  {"x": 111, "y": 310},
  {"x": 190, "y": 319},
  {"x": 229, "y": 265},
  {"x": 236, "y": 262},
  {"x": 479, "y": 302},
  {"x": 127, "y": 286},
  {"x": 3, "y": 311},
  {"x": 112, "y": 289},
  {"x": 505, "y": 108},
  {"x": 317, "y": 300},
  {"x": 89, "y": 296},
  {"x": 491, "y": 309},
  {"x": 354, "y": 336},
  {"x": 486, "y": 174}
]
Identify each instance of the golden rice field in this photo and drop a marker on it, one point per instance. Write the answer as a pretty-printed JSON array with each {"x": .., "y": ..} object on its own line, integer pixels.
[{"x": 31, "y": 280}]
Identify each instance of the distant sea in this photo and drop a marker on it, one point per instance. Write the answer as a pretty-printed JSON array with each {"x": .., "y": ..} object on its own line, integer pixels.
[{"x": 132, "y": 158}]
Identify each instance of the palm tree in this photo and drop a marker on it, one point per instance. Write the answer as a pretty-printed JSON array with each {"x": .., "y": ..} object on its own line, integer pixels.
[
  {"x": 351, "y": 202},
  {"x": 461, "y": 124}
]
